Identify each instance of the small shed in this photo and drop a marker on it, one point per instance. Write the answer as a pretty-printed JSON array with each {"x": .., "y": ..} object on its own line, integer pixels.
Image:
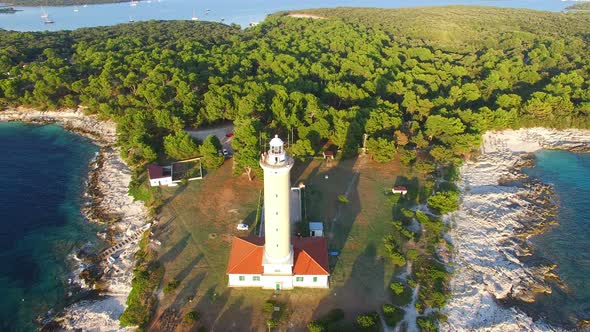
[
  {"x": 316, "y": 229},
  {"x": 159, "y": 175},
  {"x": 328, "y": 154},
  {"x": 399, "y": 190}
]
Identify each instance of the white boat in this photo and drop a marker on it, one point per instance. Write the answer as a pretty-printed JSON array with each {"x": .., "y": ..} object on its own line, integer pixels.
[
  {"x": 76, "y": 10},
  {"x": 194, "y": 17},
  {"x": 131, "y": 20},
  {"x": 48, "y": 20},
  {"x": 44, "y": 14},
  {"x": 133, "y": 3}
]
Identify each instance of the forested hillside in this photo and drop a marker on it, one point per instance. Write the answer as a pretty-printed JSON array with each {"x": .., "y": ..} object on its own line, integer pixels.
[{"x": 421, "y": 83}]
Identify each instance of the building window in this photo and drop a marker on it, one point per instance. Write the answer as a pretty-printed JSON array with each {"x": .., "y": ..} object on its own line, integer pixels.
[
  {"x": 256, "y": 278},
  {"x": 242, "y": 278},
  {"x": 299, "y": 279},
  {"x": 315, "y": 279}
]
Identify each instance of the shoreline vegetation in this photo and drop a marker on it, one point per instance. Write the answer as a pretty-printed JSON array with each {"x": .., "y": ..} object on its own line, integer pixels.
[
  {"x": 59, "y": 3},
  {"x": 8, "y": 10},
  {"x": 100, "y": 286},
  {"x": 417, "y": 86},
  {"x": 580, "y": 7}
]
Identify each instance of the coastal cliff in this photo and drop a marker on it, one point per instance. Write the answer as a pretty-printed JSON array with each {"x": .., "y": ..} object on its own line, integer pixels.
[
  {"x": 111, "y": 205},
  {"x": 500, "y": 209}
]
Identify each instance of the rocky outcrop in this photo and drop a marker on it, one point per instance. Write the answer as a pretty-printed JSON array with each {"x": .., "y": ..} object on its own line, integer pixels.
[{"x": 500, "y": 209}]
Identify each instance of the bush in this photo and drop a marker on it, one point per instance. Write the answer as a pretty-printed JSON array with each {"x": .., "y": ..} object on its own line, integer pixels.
[
  {"x": 343, "y": 199},
  {"x": 141, "y": 300},
  {"x": 397, "y": 288},
  {"x": 444, "y": 202},
  {"x": 316, "y": 327},
  {"x": 426, "y": 324},
  {"x": 268, "y": 307},
  {"x": 172, "y": 285},
  {"x": 191, "y": 317},
  {"x": 368, "y": 322},
  {"x": 392, "y": 315}
]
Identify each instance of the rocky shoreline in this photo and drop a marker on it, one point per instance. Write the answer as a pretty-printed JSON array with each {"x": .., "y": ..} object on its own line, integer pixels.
[
  {"x": 496, "y": 272},
  {"x": 108, "y": 204}
]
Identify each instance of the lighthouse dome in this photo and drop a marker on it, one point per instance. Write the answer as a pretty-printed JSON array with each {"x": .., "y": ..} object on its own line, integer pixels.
[{"x": 276, "y": 142}]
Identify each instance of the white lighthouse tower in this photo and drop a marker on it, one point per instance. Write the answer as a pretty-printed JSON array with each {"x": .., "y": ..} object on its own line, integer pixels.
[
  {"x": 278, "y": 251},
  {"x": 277, "y": 260}
]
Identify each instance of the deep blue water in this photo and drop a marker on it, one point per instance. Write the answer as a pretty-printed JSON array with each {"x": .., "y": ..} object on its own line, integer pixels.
[
  {"x": 42, "y": 172},
  {"x": 241, "y": 12},
  {"x": 568, "y": 244}
]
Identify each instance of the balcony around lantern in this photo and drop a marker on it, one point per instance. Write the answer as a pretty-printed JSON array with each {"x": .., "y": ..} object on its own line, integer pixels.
[{"x": 268, "y": 160}]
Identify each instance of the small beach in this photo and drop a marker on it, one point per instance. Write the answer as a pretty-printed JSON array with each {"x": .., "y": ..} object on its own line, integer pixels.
[
  {"x": 108, "y": 200},
  {"x": 501, "y": 209}
]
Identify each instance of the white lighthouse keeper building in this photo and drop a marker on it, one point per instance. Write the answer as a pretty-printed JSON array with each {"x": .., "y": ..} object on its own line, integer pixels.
[{"x": 278, "y": 261}]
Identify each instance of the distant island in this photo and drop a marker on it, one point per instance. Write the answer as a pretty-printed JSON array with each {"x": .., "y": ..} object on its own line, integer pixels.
[
  {"x": 381, "y": 108},
  {"x": 582, "y": 6},
  {"x": 8, "y": 10},
  {"x": 38, "y": 3}
]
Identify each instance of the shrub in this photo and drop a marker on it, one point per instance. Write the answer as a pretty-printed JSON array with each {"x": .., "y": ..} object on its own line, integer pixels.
[
  {"x": 392, "y": 315},
  {"x": 191, "y": 317},
  {"x": 368, "y": 322},
  {"x": 426, "y": 324},
  {"x": 316, "y": 327},
  {"x": 444, "y": 202},
  {"x": 397, "y": 288},
  {"x": 172, "y": 285},
  {"x": 412, "y": 254},
  {"x": 141, "y": 299},
  {"x": 268, "y": 307}
]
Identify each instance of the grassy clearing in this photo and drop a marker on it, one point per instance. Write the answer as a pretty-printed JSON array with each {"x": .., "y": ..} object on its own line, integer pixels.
[{"x": 198, "y": 220}]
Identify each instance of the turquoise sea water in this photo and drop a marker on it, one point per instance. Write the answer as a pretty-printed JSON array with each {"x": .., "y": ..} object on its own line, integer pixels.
[
  {"x": 567, "y": 244},
  {"x": 241, "y": 12},
  {"x": 42, "y": 172}
]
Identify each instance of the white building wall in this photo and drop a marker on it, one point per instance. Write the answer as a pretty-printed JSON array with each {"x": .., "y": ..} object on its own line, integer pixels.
[
  {"x": 307, "y": 282},
  {"x": 161, "y": 181},
  {"x": 284, "y": 269},
  {"x": 271, "y": 281},
  {"x": 234, "y": 280}
]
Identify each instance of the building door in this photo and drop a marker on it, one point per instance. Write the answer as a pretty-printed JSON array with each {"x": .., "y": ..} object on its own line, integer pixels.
[{"x": 277, "y": 286}]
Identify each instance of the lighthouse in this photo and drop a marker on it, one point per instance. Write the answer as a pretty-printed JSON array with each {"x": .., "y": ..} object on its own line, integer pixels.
[
  {"x": 278, "y": 251},
  {"x": 277, "y": 260}
]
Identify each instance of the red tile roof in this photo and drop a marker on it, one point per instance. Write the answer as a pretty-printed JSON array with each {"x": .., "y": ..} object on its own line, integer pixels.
[
  {"x": 155, "y": 171},
  {"x": 328, "y": 153},
  {"x": 311, "y": 256},
  {"x": 400, "y": 188},
  {"x": 246, "y": 256}
]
